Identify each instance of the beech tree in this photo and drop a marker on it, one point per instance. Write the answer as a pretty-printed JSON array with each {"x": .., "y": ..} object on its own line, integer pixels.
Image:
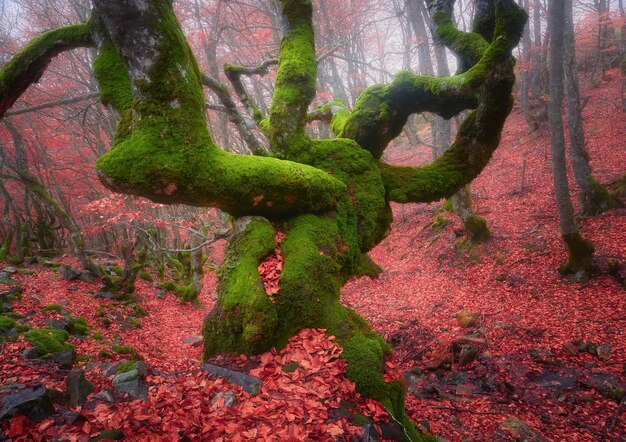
[{"x": 330, "y": 198}]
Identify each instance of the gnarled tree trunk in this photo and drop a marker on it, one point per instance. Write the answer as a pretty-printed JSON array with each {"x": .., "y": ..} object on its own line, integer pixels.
[{"x": 330, "y": 197}]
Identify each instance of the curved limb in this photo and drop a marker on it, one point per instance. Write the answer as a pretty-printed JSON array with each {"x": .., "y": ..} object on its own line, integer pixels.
[
  {"x": 479, "y": 134},
  {"x": 469, "y": 47},
  {"x": 28, "y": 65},
  {"x": 163, "y": 149},
  {"x": 381, "y": 111}
]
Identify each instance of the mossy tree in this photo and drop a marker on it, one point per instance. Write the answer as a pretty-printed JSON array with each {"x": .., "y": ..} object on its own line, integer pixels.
[{"x": 329, "y": 197}]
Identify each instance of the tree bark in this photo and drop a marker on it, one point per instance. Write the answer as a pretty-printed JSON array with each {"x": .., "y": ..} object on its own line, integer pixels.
[
  {"x": 330, "y": 198},
  {"x": 593, "y": 196},
  {"x": 580, "y": 251}
]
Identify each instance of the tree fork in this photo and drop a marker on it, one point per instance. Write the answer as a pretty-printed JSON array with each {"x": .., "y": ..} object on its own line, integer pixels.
[{"x": 163, "y": 149}]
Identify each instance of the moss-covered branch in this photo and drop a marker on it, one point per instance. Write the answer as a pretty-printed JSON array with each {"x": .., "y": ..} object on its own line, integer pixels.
[
  {"x": 479, "y": 134},
  {"x": 382, "y": 110},
  {"x": 469, "y": 47},
  {"x": 28, "y": 65},
  {"x": 295, "y": 80},
  {"x": 163, "y": 149}
]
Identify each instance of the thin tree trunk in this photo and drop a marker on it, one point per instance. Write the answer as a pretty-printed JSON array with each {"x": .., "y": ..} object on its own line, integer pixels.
[
  {"x": 580, "y": 251},
  {"x": 593, "y": 196}
]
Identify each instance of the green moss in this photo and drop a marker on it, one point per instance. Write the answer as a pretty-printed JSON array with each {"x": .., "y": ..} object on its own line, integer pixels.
[
  {"x": 126, "y": 367},
  {"x": 183, "y": 292},
  {"x": 439, "y": 223},
  {"x": 469, "y": 46},
  {"x": 146, "y": 276},
  {"x": 294, "y": 88},
  {"x": 83, "y": 358},
  {"x": 97, "y": 336},
  {"x": 26, "y": 272},
  {"x": 117, "y": 270},
  {"x": 131, "y": 323},
  {"x": 163, "y": 149},
  {"x": 110, "y": 71},
  {"x": 32, "y": 59},
  {"x": 125, "y": 350},
  {"x": 105, "y": 354},
  {"x": 138, "y": 311},
  {"x": 21, "y": 328},
  {"x": 4, "y": 249},
  {"x": 53, "y": 308},
  {"x": 367, "y": 267},
  {"x": 290, "y": 367},
  {"x": 600, "y": 200},
  {"x": 579, "y": 256},
  {"x": 77, "y": 326},
  {"x": 476, "y": 228},
  {"x": 6, "y": 324},
  {"x": 47, "y": 340},
  {"x": 244, "y": 319}
]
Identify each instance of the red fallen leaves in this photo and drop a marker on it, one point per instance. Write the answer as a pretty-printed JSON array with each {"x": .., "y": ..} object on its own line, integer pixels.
[
  {"x": 291, "y": 405},
  {"x": 426, "y": 283},
  {"x": 270, "y": 268}
]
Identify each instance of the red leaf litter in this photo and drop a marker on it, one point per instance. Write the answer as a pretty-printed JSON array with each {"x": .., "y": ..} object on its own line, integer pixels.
[
  {"x": 270, "y": 268},
  {"x": 512, "y": 283},
  {"x": 530, "y": 330}
]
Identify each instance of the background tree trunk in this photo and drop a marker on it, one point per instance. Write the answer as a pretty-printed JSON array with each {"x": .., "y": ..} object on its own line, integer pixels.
[
  {"x": 593, "y": 196},
  {"x": 580, "y": 251}
]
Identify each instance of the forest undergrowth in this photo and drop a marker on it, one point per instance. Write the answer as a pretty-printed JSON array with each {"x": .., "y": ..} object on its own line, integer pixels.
[{"x": 494, "y": 343}]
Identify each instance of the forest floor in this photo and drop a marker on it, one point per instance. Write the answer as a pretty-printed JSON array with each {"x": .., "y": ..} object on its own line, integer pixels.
[{"x": 493, "y": 342}]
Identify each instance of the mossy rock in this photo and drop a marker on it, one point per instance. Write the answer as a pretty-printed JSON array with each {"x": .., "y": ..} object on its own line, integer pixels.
[
  {"x": 53, "y": 308},
  {"x": 125, "y": 367},
  {"x": 77, "y": 326},
  {"x": 125, "y": 350},
  {"x": 47, "y": 340},
  {"x": 6, "y": 324}
]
